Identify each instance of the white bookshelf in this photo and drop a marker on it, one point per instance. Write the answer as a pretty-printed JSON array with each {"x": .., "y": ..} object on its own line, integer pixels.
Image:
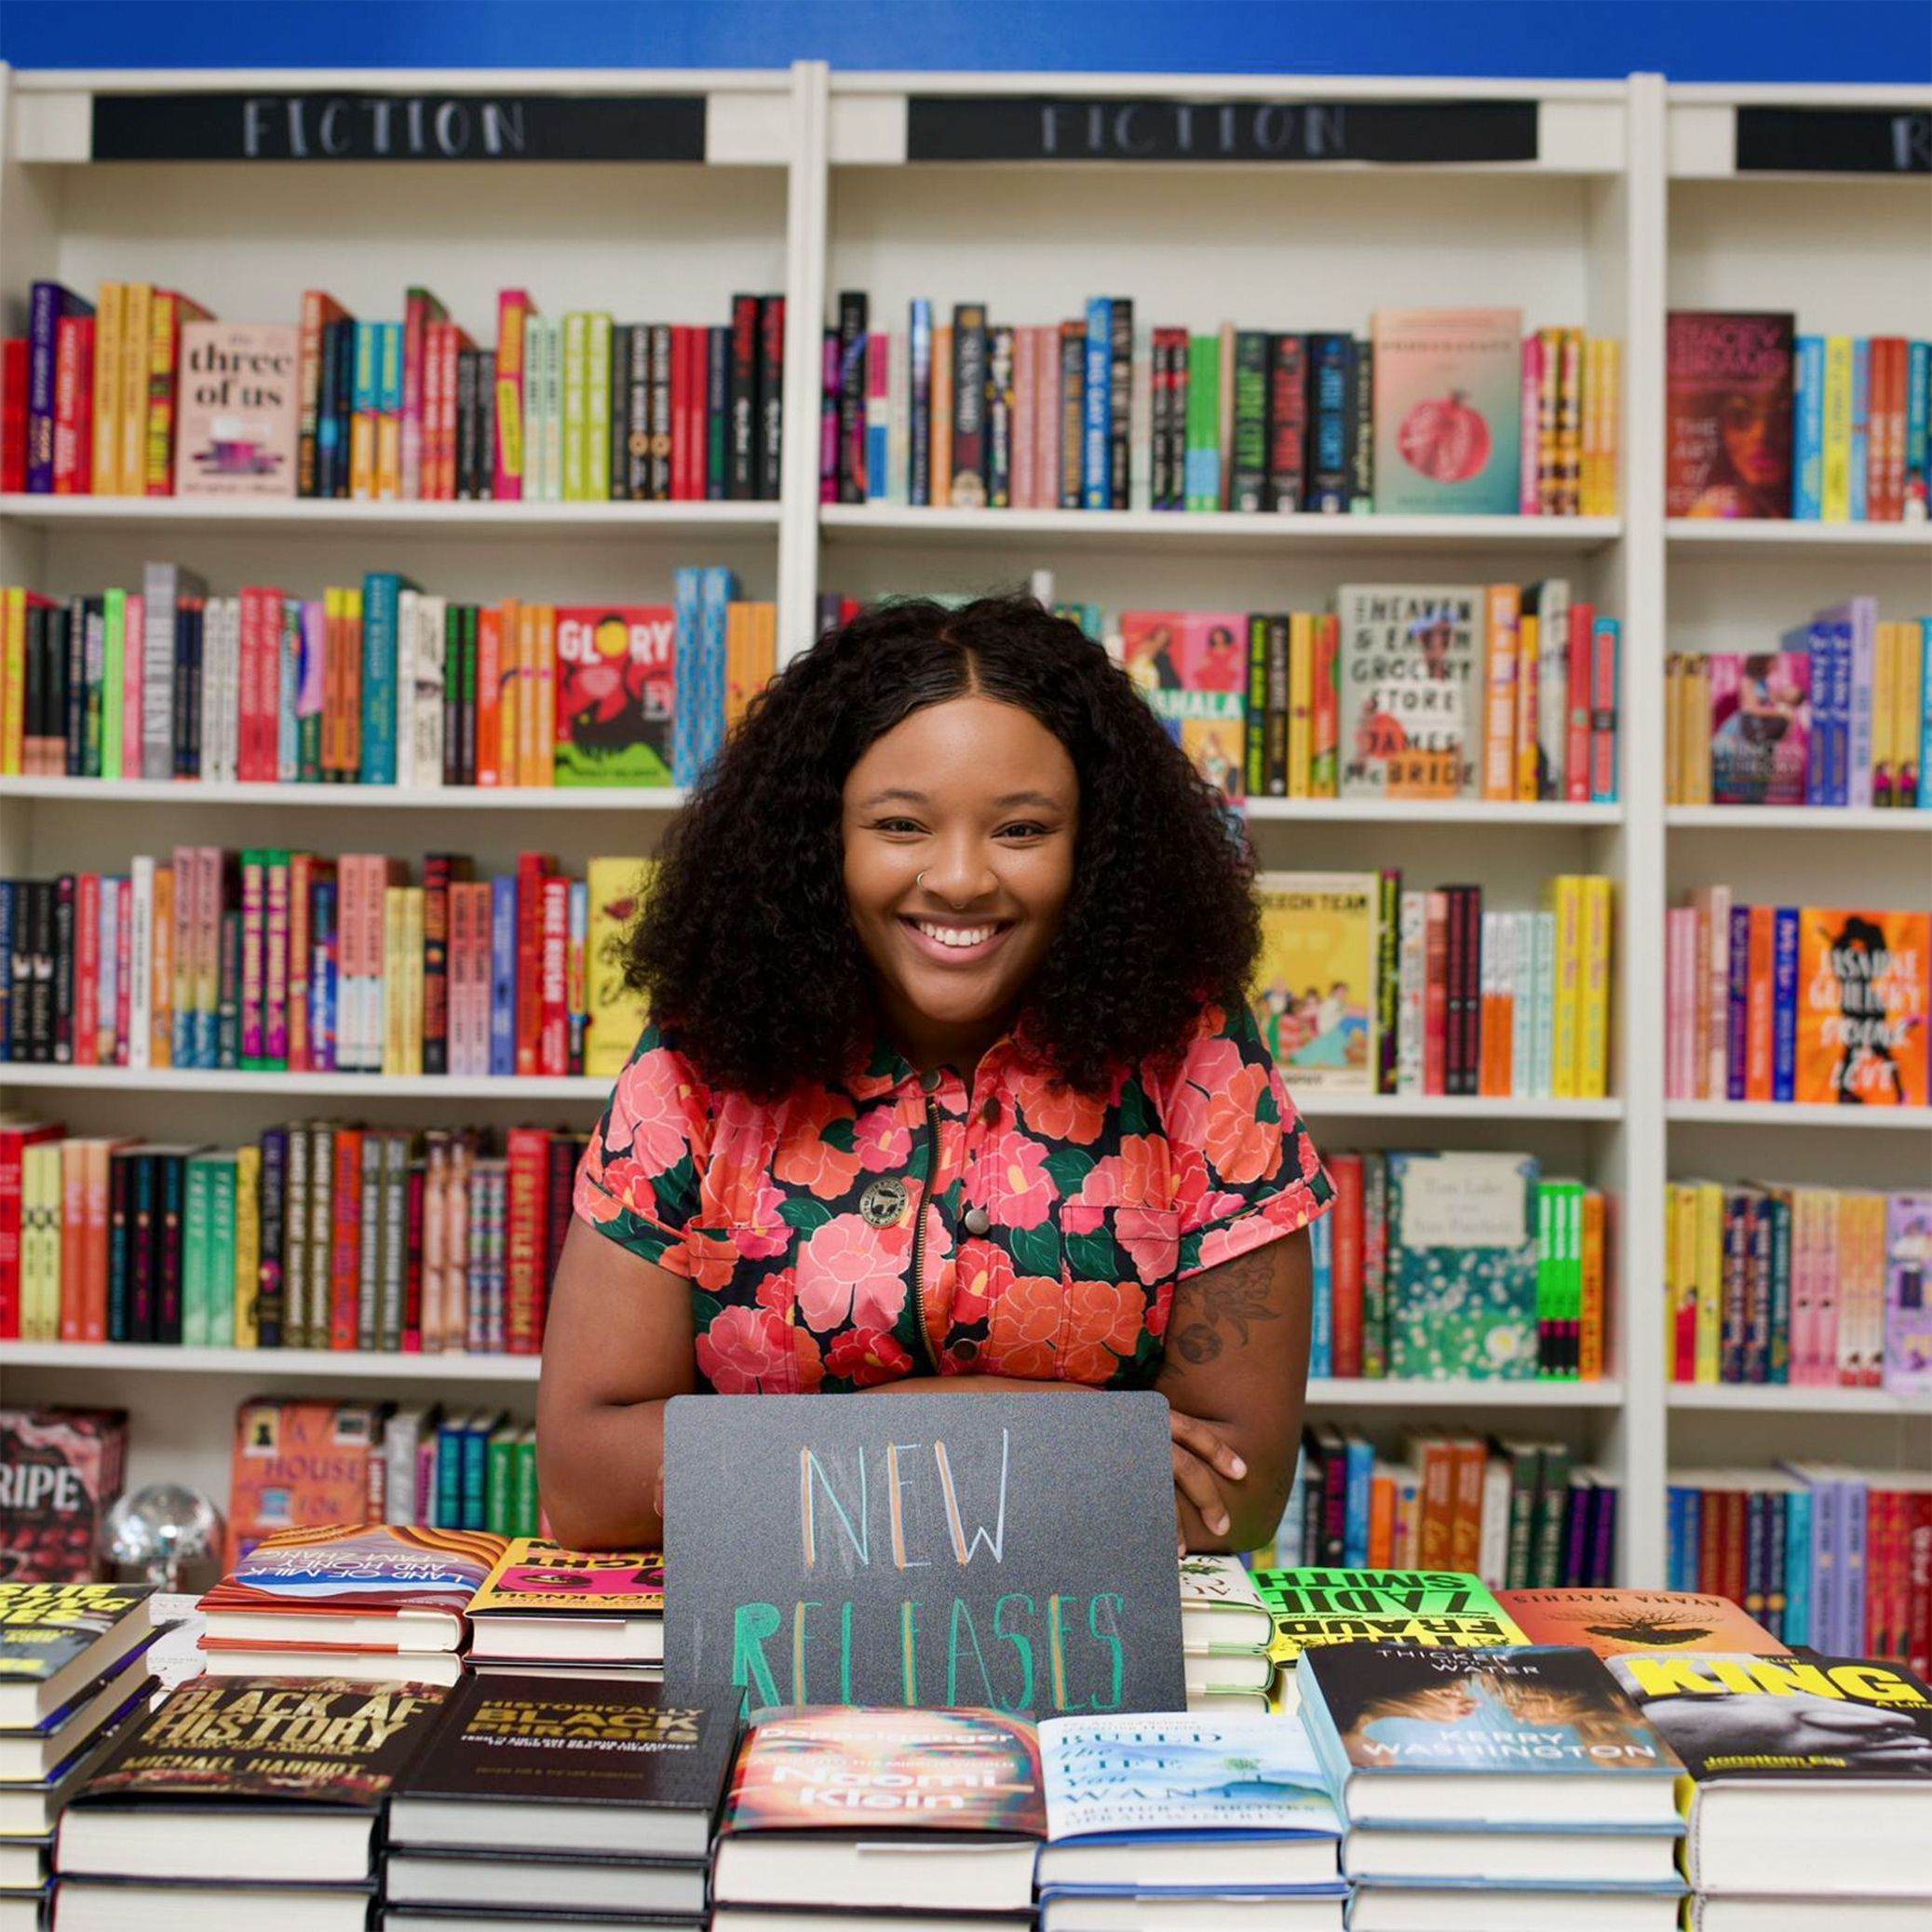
[{"x": 1628, "y": 209}]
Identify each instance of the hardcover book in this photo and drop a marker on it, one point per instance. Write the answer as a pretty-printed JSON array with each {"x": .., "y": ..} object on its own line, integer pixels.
[
  {"x": 1192, "y": 668},
  {"x": 1760, "y": 726},
  {"x": 301, "y": 1464},
  {"x": 1314, "y": 979},
  {"x": 1908, "y": 1359},
  {"x": 1864, "y": 1004},
  {"x": 239, "y": 402},
  {"x": 1727, "y": 428},
  {"x": 57, "y": 1638},
  {"x": 604, "y": 1765},
  {"x": 1220, "y": 1608},
  {"x": 616, "y": 694},
  {"x": 541, "y": 1601},
  {"x": 1462, "y": 1265},
  {"x": 1448, "y": 388},
  {"x": 1613, "y": 1623},
  {"x": 1409, "y": 672},
  {"x": 59, "y": 1473},
  {"x": 616, "y": 1012},
  {"x": 1427, "y": 1609}
]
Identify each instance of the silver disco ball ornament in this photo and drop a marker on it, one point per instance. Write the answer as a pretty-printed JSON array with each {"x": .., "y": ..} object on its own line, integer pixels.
[{"x": 160, "y": 1529}]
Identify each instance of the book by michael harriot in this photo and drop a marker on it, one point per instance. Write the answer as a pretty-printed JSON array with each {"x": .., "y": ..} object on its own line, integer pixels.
[
  {"x": 1429, "y": 1608},
  {"x": 1727, "y": 427},
  {"x": 616, "y": 694},
  {"x": 1192, "y": 668},
  {"x": 238, "y": 404},
  {"x": 1447, "y": 397},
  {"x": 1313, "y": 985},
  {"x": 1410, "y": 672},
  {"x": 1613, "y": 1623},
  {"x": 1864, "y": 1001}
]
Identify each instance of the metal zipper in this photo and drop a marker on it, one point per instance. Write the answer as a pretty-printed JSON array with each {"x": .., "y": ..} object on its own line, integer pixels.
[{"x": 932, "y": 1164}]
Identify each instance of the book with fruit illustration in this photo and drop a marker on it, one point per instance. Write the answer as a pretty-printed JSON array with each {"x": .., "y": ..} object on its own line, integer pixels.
[{"x": 1448, "y": 403}]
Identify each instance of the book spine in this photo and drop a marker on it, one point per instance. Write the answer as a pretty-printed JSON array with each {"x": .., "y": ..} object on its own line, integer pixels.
[
  {"x": 1287, "y": 423},
  {"x": 1784, "y": 1003},
  {"x": 968, "y": 443},
  {"x": 852, "y": 328}
]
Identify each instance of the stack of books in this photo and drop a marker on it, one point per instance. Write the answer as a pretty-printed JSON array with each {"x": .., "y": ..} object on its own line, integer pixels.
[
  {"x": 74, "y": 1672},
  {"x": 1495, "y": 1790},
  {"x": 544, "y": 1799},
  {"x": 241, "y": 1803},
  {"x": 1226, "y": 1631},
  {"x": 1812, "y": 1786},
  {"x": 375, "y": 1602},
  {"x": 1166, "y": 1822},
  {"x": 544, "y": 1608}
]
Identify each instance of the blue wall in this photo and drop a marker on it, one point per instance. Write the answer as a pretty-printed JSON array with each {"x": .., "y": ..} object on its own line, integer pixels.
[{"x": 1688, "y": 40}]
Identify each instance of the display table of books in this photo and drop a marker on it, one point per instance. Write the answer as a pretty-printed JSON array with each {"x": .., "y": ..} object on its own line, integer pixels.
[{"x": 454, "y": 1730}]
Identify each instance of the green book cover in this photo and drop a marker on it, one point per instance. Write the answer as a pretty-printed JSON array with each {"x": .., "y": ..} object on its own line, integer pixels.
[
  {"x": 576, "y": 411},
  {"x": 114, "y": 683},
  {"x": 220, "y": 1277},
  {"x": 1421, "y": 1609},
  {"x": 597, "y": 409},
  {"x": 1462, "y": 1266},
  {"x": 197, "y": 1252},
  {"x": 499, "y": 1482},
  {"x": 526, "y": 1516},
  {"x": 1547, "y": 1534}
]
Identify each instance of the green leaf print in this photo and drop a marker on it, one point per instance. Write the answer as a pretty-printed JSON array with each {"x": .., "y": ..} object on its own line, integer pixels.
[
  {"x": 1036, "y": 1250},
  {"x": 805, "y": 1213},
  {"x": 1070, "y": 1167}
]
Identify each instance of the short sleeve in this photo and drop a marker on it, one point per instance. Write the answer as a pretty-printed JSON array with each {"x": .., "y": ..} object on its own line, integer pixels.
[
  {"x": 1246, "y": 1172},
  {"x": 638, "y": 1181}
]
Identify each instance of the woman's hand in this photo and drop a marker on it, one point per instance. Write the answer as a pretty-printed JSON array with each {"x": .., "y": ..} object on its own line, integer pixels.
[{"x": 1201, "y": 1456}]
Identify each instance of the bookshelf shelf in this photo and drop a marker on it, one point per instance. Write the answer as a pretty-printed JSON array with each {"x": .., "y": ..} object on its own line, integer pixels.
[
  {"x": 1840, "y": 539},
  {"x": 297, "y": 517},
  {"x": 1782, "y": 1400},
  {"x": 1772, "y": 1113},
  {"x": 457, "y": 798},
  {"x": 1358, "y": 1392},
  {"x": 1825, "y": 819},
  {"x": 1183, "y": 530},
  {"x": 1424, "y": 811}
]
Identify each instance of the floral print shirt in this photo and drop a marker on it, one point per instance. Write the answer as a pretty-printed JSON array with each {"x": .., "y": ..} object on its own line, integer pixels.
[{"x": 905, "y": 1225}]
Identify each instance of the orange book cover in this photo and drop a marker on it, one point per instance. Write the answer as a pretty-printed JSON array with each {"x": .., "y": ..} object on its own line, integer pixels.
[
  {"x": 299, "y": 1464},
  {"x": 1614, "y": 1623},
  {"x": 1437, "y": 1501},
  {"x": 490, "y": 694},
  {"x": 528, "y": 626},
  {"x": 1529, "y": 697},
  {"x": 1590, "y": 1329},
  {"x": 509, "y": 692},
  {"x": 1864, "y": 993},
  {"x": 161, "y": 991},
  {"x": 1382, "y": 1523},
  {"x": 542, "y": 673},
  {"x": 73, "y": 1236},
  {"x": 93, "y": 1322},
  {"x": 1465, "y": 1525}
]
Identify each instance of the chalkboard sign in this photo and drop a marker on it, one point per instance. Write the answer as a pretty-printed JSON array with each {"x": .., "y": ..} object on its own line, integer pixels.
[
  {"x": 1834, "y": 141},
  {"x": 427, "y": 127},
  {"x": 1007, "y": 1551},
  {"x": 1041, "y": 128}
]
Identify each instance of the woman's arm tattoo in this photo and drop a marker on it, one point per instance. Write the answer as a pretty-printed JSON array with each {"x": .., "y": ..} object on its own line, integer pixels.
[{"x": 1231, "y": 1295}]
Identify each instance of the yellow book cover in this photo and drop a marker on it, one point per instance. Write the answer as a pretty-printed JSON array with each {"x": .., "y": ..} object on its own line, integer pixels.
[
  {"x": 394, "y": 994},
  {"x": 13, "y": 693},
  {"x": 411, "y": 1038},
  {"x": 1593, "y": 1050},
  {"x": 1710, "y": 1280},
  {"x": 248, "y": 1245},
  {"x": 1909, "y": 709},
  {"x": 1697, "y": 732},
  {"x": 1564, "y": 896},
  {"x": 1314, "y": 981},
  {"x": 1884, "y": 738},
  {"x": 737, "y": 651},
  {"x": 161, "y": 985},
  {"x": 1612, "y": 498},
  {"x": 1301, "y": 705},
  {"x": 1674, "y": 729},
  {"x": 1590, "y": 456},
  {"x": 1674, "y": 1282},
  {"x": 137, "y": 370},
  {"x": 1836, "y": 506},
  {"x": 1529, "y": 697},
  {"x": 616, "y": 1012},
  {"x": 1501, "y": 609},
  {"x": 1864, "y": 1006},
  {"x": 110, "y": 309}
]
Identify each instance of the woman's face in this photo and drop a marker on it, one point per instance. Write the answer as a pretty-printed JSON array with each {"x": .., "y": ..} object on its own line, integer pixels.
[
  {"x": 981, "y": 800},
  {"x": 1755, "y": 439}
]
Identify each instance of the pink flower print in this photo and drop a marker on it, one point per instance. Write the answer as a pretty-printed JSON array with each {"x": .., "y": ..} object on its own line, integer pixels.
[
  {"x": 848, "y": 1272},
  {"x": 884, "y": 1142},
  {"x": 749, "y": 1351},
  {"x": 1151, "y": 1239},
  {"x": 647, "y": 1112},
  {"x": 1023, "y": 1193},
  {"x": 767, "y": 1234}
]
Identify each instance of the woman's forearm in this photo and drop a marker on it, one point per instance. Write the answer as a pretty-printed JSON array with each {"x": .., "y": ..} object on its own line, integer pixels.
[
  {"x": 604, "y": 1488},
  {"x": 962, "y": 1386}
]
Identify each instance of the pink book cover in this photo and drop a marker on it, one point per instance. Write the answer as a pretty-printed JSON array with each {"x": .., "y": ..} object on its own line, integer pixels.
[
  {"x": 421, "y": 312},
  {"x": 553, "y": 1045},
  {"x": 1046, "y": 418},
  {"x": 252, "y": 933},
  {"x": 348, "y": 962},
  {"x": 1528, "y": 495},
  {"x": 1804, "y": 1263},
  {"x": 1578, "y": 690},
  {"x": 188, "y": 884},
  {"x": 274, "y": 962},
  {"x": 1026, "y": 402},
  {"x": 1908, "y": 1350},
  {"x": 1681, "y": 962},
  {"x": 514, "y": 308},
  {"x": 481, "y": 916},
  {"x": 428, "y": 478},
  {"x": 208, "y": 931},
  {"x": 87, "y": 977},
  {"x": 248, "y": 671},
  {"x": 134, "y": 628},
  {"x": 1760, "y": 726},
  {"x": 1834, "y": 1337},
  {"x": 124, "y": 970},
  {"x": 235, "y": 426},
  {"x": 260, "y": 614}
]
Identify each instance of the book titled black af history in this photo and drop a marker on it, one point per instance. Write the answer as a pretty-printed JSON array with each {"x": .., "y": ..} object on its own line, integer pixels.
[{"x": 608, "y": 1765}]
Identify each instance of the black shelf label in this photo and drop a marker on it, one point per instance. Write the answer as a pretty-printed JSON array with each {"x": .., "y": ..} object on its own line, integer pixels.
[
  {"x": 427, "y": 127},
  {"x": 1043, "y": 127},
  {"x": 1834, "y": 141}
]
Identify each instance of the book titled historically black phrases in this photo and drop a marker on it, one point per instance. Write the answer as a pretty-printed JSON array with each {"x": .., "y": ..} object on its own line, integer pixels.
[
  {"x": 543, "y": 1604},
  {"x": 1811, "y": 1776},
  {"x": 1503, "y": 1767},
  {"x": 237, "y": 1803},
  {"x": 1409, "y": 668}
]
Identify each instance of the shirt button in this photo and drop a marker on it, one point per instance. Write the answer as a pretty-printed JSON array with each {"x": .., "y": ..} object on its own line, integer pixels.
[
  {"x": 931, "y": 1080},
  {"x": 965, "y": 1350},
  {"x": 977, "y": 1220}
]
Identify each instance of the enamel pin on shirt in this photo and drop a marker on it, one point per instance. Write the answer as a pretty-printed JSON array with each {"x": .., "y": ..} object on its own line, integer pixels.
[{"x": 883, "y": 1203}]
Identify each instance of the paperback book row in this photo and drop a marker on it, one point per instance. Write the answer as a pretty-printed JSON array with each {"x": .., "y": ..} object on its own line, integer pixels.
[
  {"x": 141, "y": 393},
  {"x": 1434, "y": 412},
  {"x": 379, "y": 684},
  {"x": 1840, "y": 714},
  {"x": 1514, "y": 1286},
  {"x": 271, "y": 961},
  {"x": 1817, "y": 1286},
  {"x": 1404, "y": 691},
  {"x": 1367, "y": 985},
  {"x": 1821, "y": 1005},
  {"x": 1835, "y": 1558},
  {"x": 1764, "y": 422},
  {"x": 322, "y": 1235}
]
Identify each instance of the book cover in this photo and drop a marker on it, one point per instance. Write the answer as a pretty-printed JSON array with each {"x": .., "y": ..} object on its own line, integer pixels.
[
  {"x": 1462, "y": 1265},
  {"x": 236, "y": 428},
  {"x": 1809, "y": 1716},
  {"x": 616, "y": 694},
  {"x": 1760, "y": 726},
  {"x": 1432, "y": 1609},
  {"x": 1220, "y": 1607},
  {"x": 357, "y": 1569},
  {"x": 1192, "y": 668},
  {"x": 616, "y": 1010},
  {"x": 533, "y": 1577},
  {"x": 47, "y": 1627},
  {"x": 1448, "y": 394},
  {"x": 1728, "y": 414},
  {"x": 1612, "y": 1623},
  {"x": 1314, "y": 979},
  {"x": 1908, "y": 1345},
  {"x": 1409, "y": 673},
  {"x": 1528, "y": 1713},
  {"x": 1864, "y": 991},
  {"x": 300, "y": 1464},
  {"x": 852, "y": 1767},
  {"x": 59, "y": 1472}
]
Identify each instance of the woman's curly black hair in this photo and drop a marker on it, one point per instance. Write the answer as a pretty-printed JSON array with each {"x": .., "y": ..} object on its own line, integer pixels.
[{"x": 746, "y": 946}]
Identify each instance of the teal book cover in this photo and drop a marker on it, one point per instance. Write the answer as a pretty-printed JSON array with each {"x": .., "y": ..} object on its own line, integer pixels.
[
  {"x": 1462, "y": 1265},
  {"x": 1447, "y": 411}
]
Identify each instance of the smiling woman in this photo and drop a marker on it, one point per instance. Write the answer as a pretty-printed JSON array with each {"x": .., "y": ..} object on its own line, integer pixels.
[{"x": 951, "y": 1084}]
